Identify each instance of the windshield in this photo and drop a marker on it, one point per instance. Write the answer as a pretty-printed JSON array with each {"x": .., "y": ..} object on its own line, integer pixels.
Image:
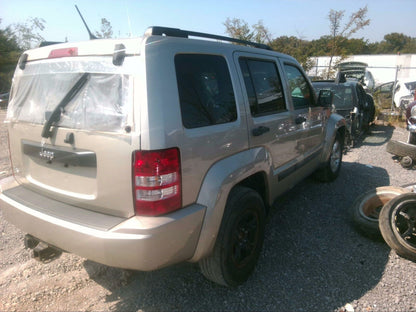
[{"x": 101, "y": 104}]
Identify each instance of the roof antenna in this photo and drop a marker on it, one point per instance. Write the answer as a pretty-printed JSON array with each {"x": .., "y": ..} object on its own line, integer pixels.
[{"x": 86, "y": 26}]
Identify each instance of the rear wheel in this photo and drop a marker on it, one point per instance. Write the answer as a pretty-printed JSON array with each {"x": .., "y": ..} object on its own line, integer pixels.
[
  {"x": 239, "y": 240},
  {"x": 398, "y": 225},
  {"x": 331, "y": 168}
]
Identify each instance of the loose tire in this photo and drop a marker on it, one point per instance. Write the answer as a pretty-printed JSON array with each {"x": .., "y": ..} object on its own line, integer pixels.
[
  {"x": 398, "y": 225},
  {"x": 366, "y": 208},
  {"x": 239, "y": 240},
  {"x": 331, "y": 168},
  {"x": 402, "y": 149},
  {"x": 406, "y": 162}
]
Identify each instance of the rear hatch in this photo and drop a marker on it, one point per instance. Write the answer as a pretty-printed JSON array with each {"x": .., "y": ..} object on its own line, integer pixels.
[{"x": 71, "y": 123}]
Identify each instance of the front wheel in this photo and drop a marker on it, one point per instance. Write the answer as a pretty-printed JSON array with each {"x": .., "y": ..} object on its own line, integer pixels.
[
  {"x": 397, "y": 223},
  {"x": 239, "y": 241},
  {"x": 332, "y": 166}
]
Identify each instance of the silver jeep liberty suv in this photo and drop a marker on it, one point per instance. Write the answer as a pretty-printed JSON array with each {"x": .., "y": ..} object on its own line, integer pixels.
[{"x": 141, "y": 153}]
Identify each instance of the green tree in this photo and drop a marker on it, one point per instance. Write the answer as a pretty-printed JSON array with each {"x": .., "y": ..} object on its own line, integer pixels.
[
  {"x": 9, "y": 54},
  {"x": 339, "y": 33},
  {"x": 238, "y": 29},
  {"x": 261, "y": 34},
  {"x": 320, "y": 46},
  {"x": 354, "y": 46},
  {"x": 293, "y": 46},
  {"x": 27, "y": 34},
  {"x": 106, "y": 30},
  {"x": 14, "y": 39},
  {"x": 395, "y": 43}
]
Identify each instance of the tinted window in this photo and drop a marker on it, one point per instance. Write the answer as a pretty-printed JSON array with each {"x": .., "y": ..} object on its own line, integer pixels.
[
  {"x": 263, "y": 85},
  {"x": 205, "y": 91},
  {"x": 343, "y": 97},
  {"x": 302, "y": 95}
]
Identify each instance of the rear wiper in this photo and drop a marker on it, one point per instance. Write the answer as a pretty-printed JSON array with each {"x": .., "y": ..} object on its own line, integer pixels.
[{"x": 56, "y": 114}]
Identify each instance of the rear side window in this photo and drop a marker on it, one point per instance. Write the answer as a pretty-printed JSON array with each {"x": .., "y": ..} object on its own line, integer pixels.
[
  {"x": 263, "y": 85},
  {"x": 302, "y": 95},
  {"x": 205, "y": 90}
]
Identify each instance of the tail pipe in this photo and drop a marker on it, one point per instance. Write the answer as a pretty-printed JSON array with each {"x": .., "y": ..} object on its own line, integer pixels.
[{"x": 41, "y": 251}]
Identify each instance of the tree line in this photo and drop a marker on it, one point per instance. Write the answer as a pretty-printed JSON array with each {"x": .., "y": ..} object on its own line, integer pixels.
[
  {"x": 16, "y": 38},
  {"x": 337, "y": 42}
]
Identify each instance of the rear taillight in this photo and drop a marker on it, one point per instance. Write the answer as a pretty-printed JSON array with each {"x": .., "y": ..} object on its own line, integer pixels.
[
  {"x": 65, "y": 52},
  {"x": 157, "y": 181}
]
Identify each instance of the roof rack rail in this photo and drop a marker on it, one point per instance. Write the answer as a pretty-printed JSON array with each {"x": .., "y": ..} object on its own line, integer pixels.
[{"x": 176, "y": 32}]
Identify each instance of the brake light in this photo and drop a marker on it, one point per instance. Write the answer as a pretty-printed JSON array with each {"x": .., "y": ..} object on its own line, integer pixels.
[
  {"x": 63, "y": 52},
  {"x": 157, "y": 182}
]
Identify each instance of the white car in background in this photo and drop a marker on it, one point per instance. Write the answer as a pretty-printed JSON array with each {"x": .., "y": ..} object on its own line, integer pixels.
[{"x": 403, "y": 92}]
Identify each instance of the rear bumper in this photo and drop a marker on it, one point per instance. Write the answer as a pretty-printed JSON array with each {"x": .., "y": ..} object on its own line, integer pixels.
[{"x": 138, "y": 243}]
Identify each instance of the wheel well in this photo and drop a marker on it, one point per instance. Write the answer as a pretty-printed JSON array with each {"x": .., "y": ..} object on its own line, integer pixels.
[{"x": 258, "y": 182}]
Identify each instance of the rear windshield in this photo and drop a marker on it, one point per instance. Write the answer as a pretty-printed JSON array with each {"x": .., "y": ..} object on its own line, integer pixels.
[{"x": 101, "y": 104}]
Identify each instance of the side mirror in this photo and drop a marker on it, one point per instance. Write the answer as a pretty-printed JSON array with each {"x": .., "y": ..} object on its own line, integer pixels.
[{"x": 325, "y": 98}]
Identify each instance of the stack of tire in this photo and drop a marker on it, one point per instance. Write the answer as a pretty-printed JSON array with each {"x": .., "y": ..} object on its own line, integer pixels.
[{"x": 388, "y": 212}]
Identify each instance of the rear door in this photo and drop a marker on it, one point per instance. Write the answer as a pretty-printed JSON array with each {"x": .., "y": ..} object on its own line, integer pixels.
[{"x": 270, "y": 124}]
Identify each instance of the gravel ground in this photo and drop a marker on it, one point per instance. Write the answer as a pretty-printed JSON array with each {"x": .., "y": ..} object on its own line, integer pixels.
[{"x": 313, "y": 259}]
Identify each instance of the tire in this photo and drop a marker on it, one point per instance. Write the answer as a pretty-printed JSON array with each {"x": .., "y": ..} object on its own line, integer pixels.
[
  {"x": 369, "y": 112},
  {"x": 406, "y": 162},
  {"x": 366, "y": 209},
  {"x": 398, "y": 225},
  {"x": 355, "y": 130},
  {"x": 372, "y": 109},
  {"x": 239, "y": 241},
  {"x": 357, "y": 125},
  {"x": 332, "y": 166},
  {"x": 402, "y": 149}
]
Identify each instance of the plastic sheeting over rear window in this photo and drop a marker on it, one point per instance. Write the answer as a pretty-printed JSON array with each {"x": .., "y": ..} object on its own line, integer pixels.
[{"x": 102, "y": 104}]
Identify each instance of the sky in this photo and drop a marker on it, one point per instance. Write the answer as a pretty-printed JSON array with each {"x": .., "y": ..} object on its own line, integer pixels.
[{"x": 305, "y": 19}]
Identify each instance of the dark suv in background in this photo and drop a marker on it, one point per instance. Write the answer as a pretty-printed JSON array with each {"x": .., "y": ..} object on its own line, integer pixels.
[{"x": 353, "y": 103}]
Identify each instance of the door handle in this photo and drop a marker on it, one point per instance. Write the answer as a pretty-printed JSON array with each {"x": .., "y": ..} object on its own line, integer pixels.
[
  {"x": 299, "y": 120},
  {"x": 260, "y": 130}
]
